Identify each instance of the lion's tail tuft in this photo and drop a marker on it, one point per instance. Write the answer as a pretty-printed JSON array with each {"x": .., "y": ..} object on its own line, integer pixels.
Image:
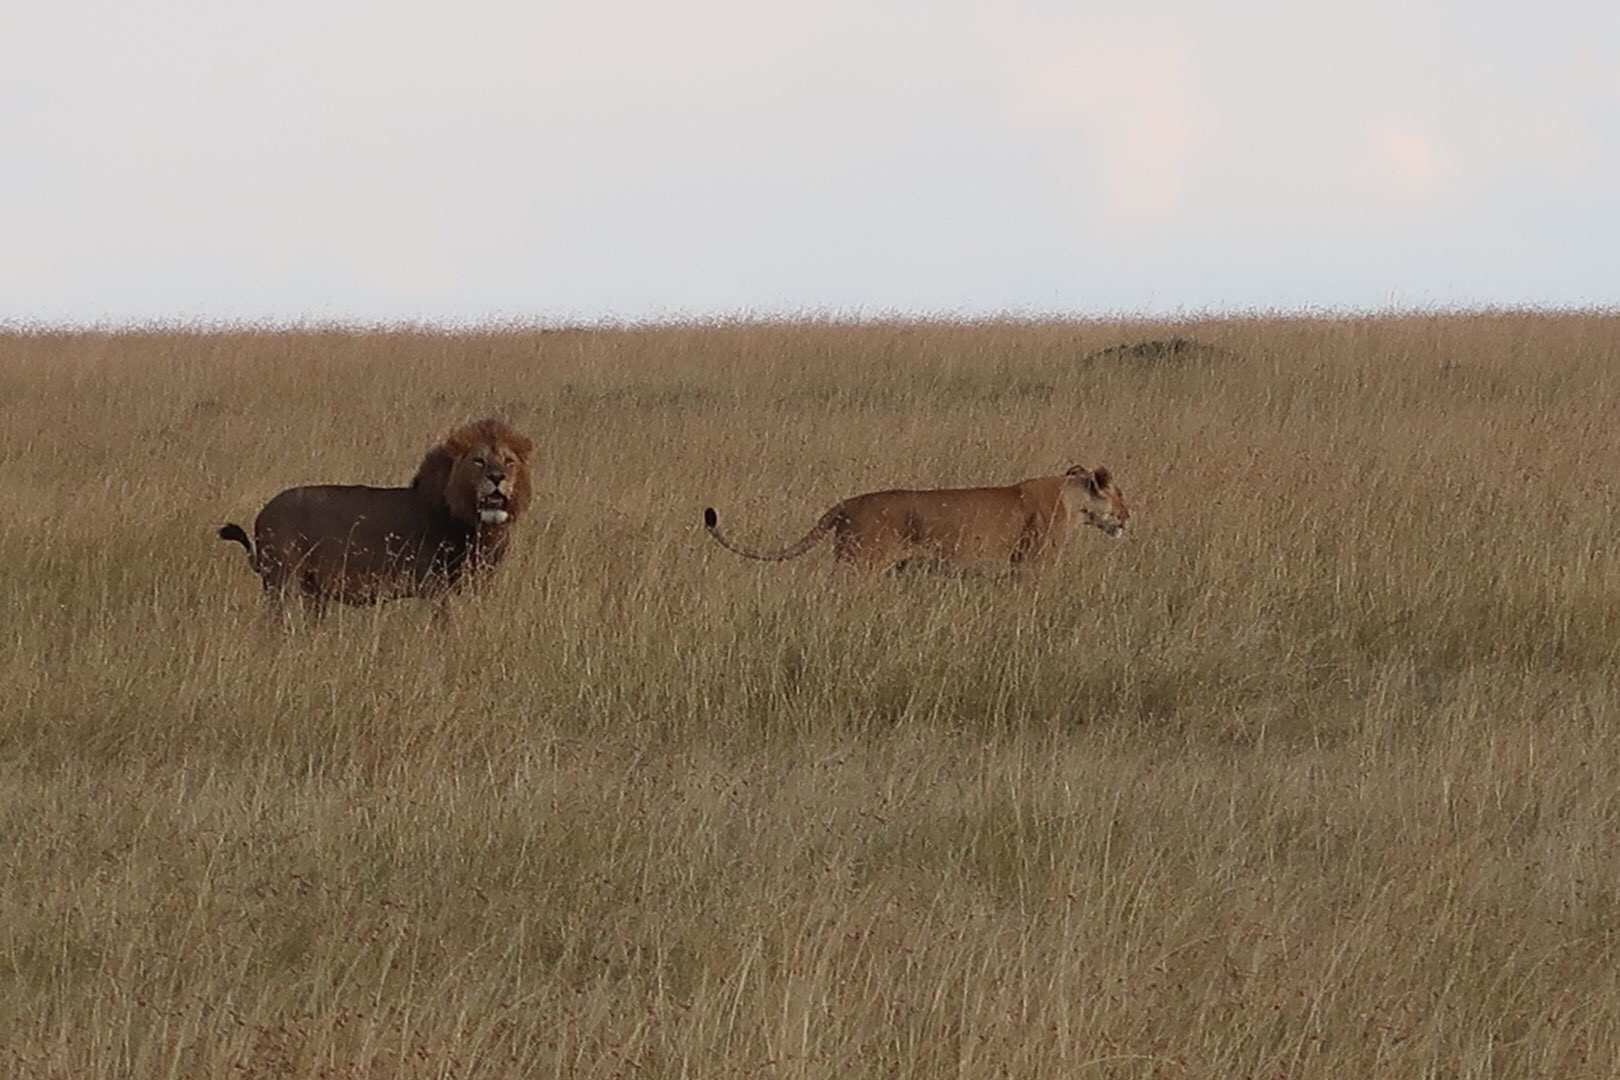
[{"x": 233, "y": 531}]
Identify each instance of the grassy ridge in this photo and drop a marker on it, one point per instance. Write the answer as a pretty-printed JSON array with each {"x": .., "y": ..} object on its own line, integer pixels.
[{"x": 1313, "y": 776}]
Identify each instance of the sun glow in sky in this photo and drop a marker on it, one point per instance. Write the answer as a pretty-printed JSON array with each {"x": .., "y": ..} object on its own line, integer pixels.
[{"x": 405, "y": 160}]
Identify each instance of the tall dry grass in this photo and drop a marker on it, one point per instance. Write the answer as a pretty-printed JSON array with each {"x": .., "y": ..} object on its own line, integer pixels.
[{"x": 1318, "y": 775}]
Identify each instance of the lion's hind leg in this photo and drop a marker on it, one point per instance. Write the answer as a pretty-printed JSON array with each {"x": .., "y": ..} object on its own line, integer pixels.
[
  {"x": 276, "y": 610},
  {"x": 291, "y": 592}
]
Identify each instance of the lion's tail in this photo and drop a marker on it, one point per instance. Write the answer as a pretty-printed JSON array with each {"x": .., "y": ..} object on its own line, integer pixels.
[
  {"x": 232, "y": 531},
  {"x": 711, "y": 521}
]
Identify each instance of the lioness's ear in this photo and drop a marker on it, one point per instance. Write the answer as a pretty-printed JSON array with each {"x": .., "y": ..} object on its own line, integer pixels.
[
  {"x": 433, "y": 475},
  {"x": 1100, "y": 477}
]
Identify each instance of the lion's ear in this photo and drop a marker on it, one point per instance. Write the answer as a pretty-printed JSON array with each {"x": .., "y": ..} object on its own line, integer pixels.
[
  {"x": 521, "y": 445},
  {"x": 433, "y": 476}
]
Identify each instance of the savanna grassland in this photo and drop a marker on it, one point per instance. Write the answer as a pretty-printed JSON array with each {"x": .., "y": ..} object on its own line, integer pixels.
[{"x": 1315, "y": 775}]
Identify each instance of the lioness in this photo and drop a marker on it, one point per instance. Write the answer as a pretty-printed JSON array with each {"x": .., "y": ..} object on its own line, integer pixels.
[
  {"x": 1019, "y": 524},
  {"x": 360, "y": 544}
]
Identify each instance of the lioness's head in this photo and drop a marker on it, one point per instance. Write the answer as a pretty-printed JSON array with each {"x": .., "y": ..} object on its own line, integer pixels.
[
  {"x": 1099, "y": 499},
  {"x": 481, "y": 471}
]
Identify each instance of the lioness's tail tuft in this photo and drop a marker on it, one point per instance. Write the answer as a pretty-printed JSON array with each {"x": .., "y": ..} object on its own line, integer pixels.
[
  {"x": 710, "y": 518},
  {"x": 232, "y": 531}
]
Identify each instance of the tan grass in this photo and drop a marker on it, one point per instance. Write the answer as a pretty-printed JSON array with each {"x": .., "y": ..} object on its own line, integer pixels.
[{"x": 1318, "y": 775}]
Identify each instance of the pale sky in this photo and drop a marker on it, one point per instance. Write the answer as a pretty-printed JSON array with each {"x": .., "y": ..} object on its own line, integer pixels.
[{"x": 372, "y": 161}]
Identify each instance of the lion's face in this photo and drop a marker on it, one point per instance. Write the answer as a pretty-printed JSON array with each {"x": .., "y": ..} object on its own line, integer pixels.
[
  {"x": 486, "y": 476},
  {"x": 1099, "y": 500},
  {"x": 485, "y": 472}
]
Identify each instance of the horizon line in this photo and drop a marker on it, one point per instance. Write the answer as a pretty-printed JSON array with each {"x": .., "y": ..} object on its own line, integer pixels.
[{"x": 744, "y": 318}]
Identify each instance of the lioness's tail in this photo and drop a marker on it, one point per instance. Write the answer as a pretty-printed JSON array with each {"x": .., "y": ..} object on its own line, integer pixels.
[
  {"x": 711, "y": 521},
  {"x": 232, "y": 531}
]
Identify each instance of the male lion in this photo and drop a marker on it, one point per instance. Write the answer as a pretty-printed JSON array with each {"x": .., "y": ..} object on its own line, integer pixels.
[
  {"x": 1175, "y": 350},
  {"x": 360, "y": 544},
  {"x": 1019, "y": 524}
]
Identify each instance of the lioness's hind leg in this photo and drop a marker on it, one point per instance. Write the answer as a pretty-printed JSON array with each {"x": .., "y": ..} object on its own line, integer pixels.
[
  {"x": 872, "y": 558},
  {"x": 920, "y": 564}
]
